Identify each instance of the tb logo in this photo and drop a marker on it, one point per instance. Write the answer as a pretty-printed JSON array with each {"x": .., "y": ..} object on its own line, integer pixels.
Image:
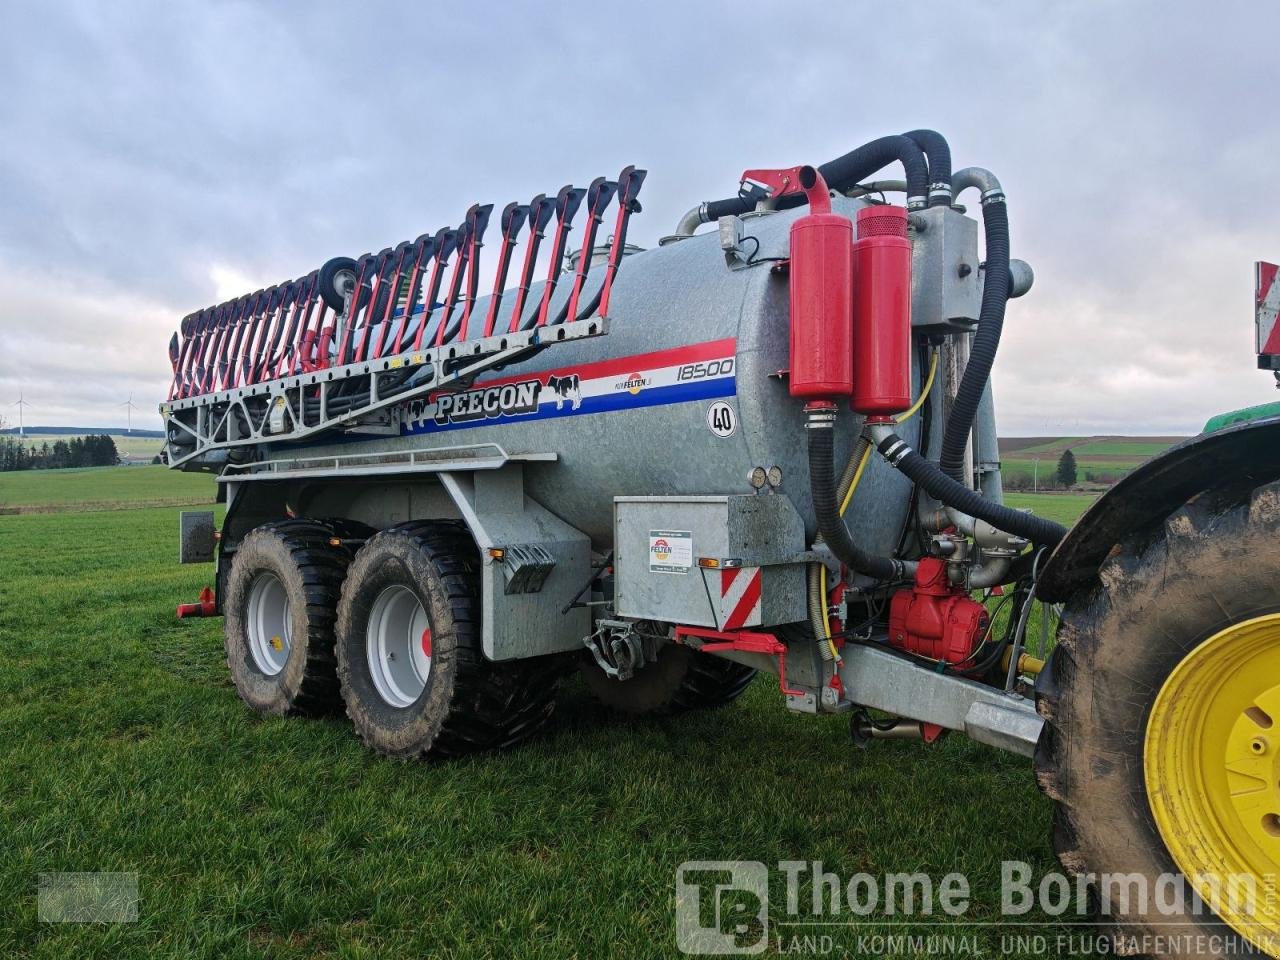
[{"x": 722, "y": 907}]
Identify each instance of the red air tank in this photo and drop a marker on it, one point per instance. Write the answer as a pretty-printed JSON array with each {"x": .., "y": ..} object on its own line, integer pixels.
[
  {"x": 881, "y": 312},
  {"x": 821, "y": 273}
]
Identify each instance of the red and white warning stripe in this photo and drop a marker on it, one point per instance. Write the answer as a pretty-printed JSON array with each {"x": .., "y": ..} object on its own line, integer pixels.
[
  {"x": 1268, "y": 307},
  {"x": 740, "y": 604}
]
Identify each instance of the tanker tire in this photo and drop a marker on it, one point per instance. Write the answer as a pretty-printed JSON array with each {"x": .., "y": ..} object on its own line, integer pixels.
[
  {"x": 679, "y": 680},
  {"x": 298, "y": 554},
  {"x": 467, "y": 703},
  {"x": 1214, "y": 562}
]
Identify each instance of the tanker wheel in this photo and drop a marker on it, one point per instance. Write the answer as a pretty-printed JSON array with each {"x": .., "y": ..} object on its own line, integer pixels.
[
  {"x": 679, "y": 679},
  {"x": 337, "y": 278},
  {"x": 413, "y": 676},
  {"x": 282, "y": 593},
  {"x": 1162, "y": 736}
]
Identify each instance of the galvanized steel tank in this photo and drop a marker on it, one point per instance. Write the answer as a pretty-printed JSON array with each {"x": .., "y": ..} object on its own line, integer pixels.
[{"x": 629, "y": 413}]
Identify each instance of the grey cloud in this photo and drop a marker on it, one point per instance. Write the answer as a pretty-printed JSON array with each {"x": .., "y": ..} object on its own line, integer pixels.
[{"x": 150, "y": 148}]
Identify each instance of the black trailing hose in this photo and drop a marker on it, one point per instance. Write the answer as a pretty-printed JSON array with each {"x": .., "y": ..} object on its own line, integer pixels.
[
  {"x": 822, "y": 484},
  {"x": 938, "y": 151},
  {"x": 982, "y": 354},
  {"x": 955, "y": 494},
  {"x": 845, "y": 172}
]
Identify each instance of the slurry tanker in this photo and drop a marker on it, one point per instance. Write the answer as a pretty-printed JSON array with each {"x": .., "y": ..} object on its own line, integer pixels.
[{"x": 764, "y": 446}]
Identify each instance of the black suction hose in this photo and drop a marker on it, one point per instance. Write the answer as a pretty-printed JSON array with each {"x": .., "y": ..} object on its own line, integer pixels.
[
  {"x": 856, "y": 165},
  {"x": 822, "y": 485},
  {"x": 954, "y": 494},
  {"x": 982, "y": 354},
  {"x": 847, "y": 171},
  {"x": 713, "y": 210},
  {"x": 938, "y": 151}
]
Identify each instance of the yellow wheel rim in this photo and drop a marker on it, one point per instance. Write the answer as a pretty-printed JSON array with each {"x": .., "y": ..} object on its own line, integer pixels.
[{"x": 1212, "y": 768}]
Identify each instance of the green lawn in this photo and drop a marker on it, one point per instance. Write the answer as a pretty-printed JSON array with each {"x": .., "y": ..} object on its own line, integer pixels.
[
  {"x": 102, "y": 488},
  {"x": 126, "y": 749},
  {"x": 1121, "y": 448},
  {"x": 1065, "y": 508}
]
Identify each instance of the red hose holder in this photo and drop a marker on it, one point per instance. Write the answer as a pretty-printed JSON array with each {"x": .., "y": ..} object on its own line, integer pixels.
[
  {"x": 206, "y": 606},
  {"x": 934, "y": 618},
  {"x": 744, "y": 641},
  {"x": 821, "y": 292}
]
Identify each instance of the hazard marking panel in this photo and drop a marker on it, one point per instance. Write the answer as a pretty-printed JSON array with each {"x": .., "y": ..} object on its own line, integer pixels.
[
  {"x": 1267, "y": 292},
  {"x": 740, "y": 598}
]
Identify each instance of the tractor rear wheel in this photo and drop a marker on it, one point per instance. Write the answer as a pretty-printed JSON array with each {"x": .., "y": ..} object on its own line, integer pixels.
[
  {"x": 1161, "y": 744},
  {"x": 413, "y": 675},
  {"x": 282, "y": 592},
  {"x": 678, "y": 679}
]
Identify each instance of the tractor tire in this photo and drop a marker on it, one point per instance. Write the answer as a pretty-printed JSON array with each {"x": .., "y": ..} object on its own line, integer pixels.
[
  {"x": 414, "y": 679},
  {"x": 1165, "y": 596},
  {"x": 680, "y": 679},
  {"x": 280, "y": 606}
]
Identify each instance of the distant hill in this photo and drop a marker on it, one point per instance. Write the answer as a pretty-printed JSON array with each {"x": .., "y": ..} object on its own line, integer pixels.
[
  {"x": 1100, "y": 461},
  {"x": 84, "y": 432}
]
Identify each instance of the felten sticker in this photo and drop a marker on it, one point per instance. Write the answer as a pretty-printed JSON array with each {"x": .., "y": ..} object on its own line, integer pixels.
[
  {"x": 670, "y": 551},
  {"x": 722, "y": 420}
]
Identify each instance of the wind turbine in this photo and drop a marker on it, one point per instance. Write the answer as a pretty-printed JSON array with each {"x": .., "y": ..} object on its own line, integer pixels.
[
  {"x": 130, "y": 406},
  {"x": 20, "y": 403}
]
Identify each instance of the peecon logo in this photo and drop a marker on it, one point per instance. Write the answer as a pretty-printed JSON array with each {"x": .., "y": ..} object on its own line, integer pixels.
[
  {"x": 634, "y": 383},
  {"x": 661, "y": 550}
]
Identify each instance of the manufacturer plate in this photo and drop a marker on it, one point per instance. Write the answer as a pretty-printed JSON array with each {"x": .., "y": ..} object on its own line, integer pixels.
[{"x": 670, "y": 551}]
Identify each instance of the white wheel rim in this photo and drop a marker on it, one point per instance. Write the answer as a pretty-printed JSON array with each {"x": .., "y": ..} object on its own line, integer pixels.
[
  {"x": 270, "y": 624},
  {"x": 398, "y": 645}
]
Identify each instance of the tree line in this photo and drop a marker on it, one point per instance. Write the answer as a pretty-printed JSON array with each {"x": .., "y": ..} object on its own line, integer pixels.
[{"x": 93, "y": 451}]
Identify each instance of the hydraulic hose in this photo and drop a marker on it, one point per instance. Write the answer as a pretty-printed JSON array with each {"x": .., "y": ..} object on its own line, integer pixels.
[
  {"x": 955, "y": 494},
  {"x": 853, "y": 471},
  {"x": 827, "y": 508},
  {"x": 841, "y": 174},
  {"x": 862, "y": 450},
  {"x": 818, "y": 610},
  {"x": 938, "y": 151},
  {"x": 982, "y": 353}
]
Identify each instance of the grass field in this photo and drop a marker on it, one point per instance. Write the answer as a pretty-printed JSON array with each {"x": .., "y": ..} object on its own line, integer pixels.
[
  {"x": 101, "y": 488},
  {"x": 1100, "y": 461},
  {"x": 126, "y": 749},
  {"x": 1065, "y": 508}
]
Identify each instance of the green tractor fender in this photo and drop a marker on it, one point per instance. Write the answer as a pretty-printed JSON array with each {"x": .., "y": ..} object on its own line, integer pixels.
[{"x": 1245, "y": 449}]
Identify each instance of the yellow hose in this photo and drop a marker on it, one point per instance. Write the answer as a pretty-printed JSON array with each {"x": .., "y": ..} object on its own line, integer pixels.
[
  {"x": 928, "y": 385},
  {"x": 862, "y": 465},
  {"x": 848, "y": 497},
  {"x": 826, "y": 618},
  {"x": 903, "y": 418}
]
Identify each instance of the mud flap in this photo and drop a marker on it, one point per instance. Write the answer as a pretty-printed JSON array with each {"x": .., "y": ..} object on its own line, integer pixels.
[{"x": 522, "y": 608}]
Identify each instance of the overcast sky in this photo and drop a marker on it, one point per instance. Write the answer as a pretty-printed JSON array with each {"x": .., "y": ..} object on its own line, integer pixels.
[{"x": 159, "y": 158}]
